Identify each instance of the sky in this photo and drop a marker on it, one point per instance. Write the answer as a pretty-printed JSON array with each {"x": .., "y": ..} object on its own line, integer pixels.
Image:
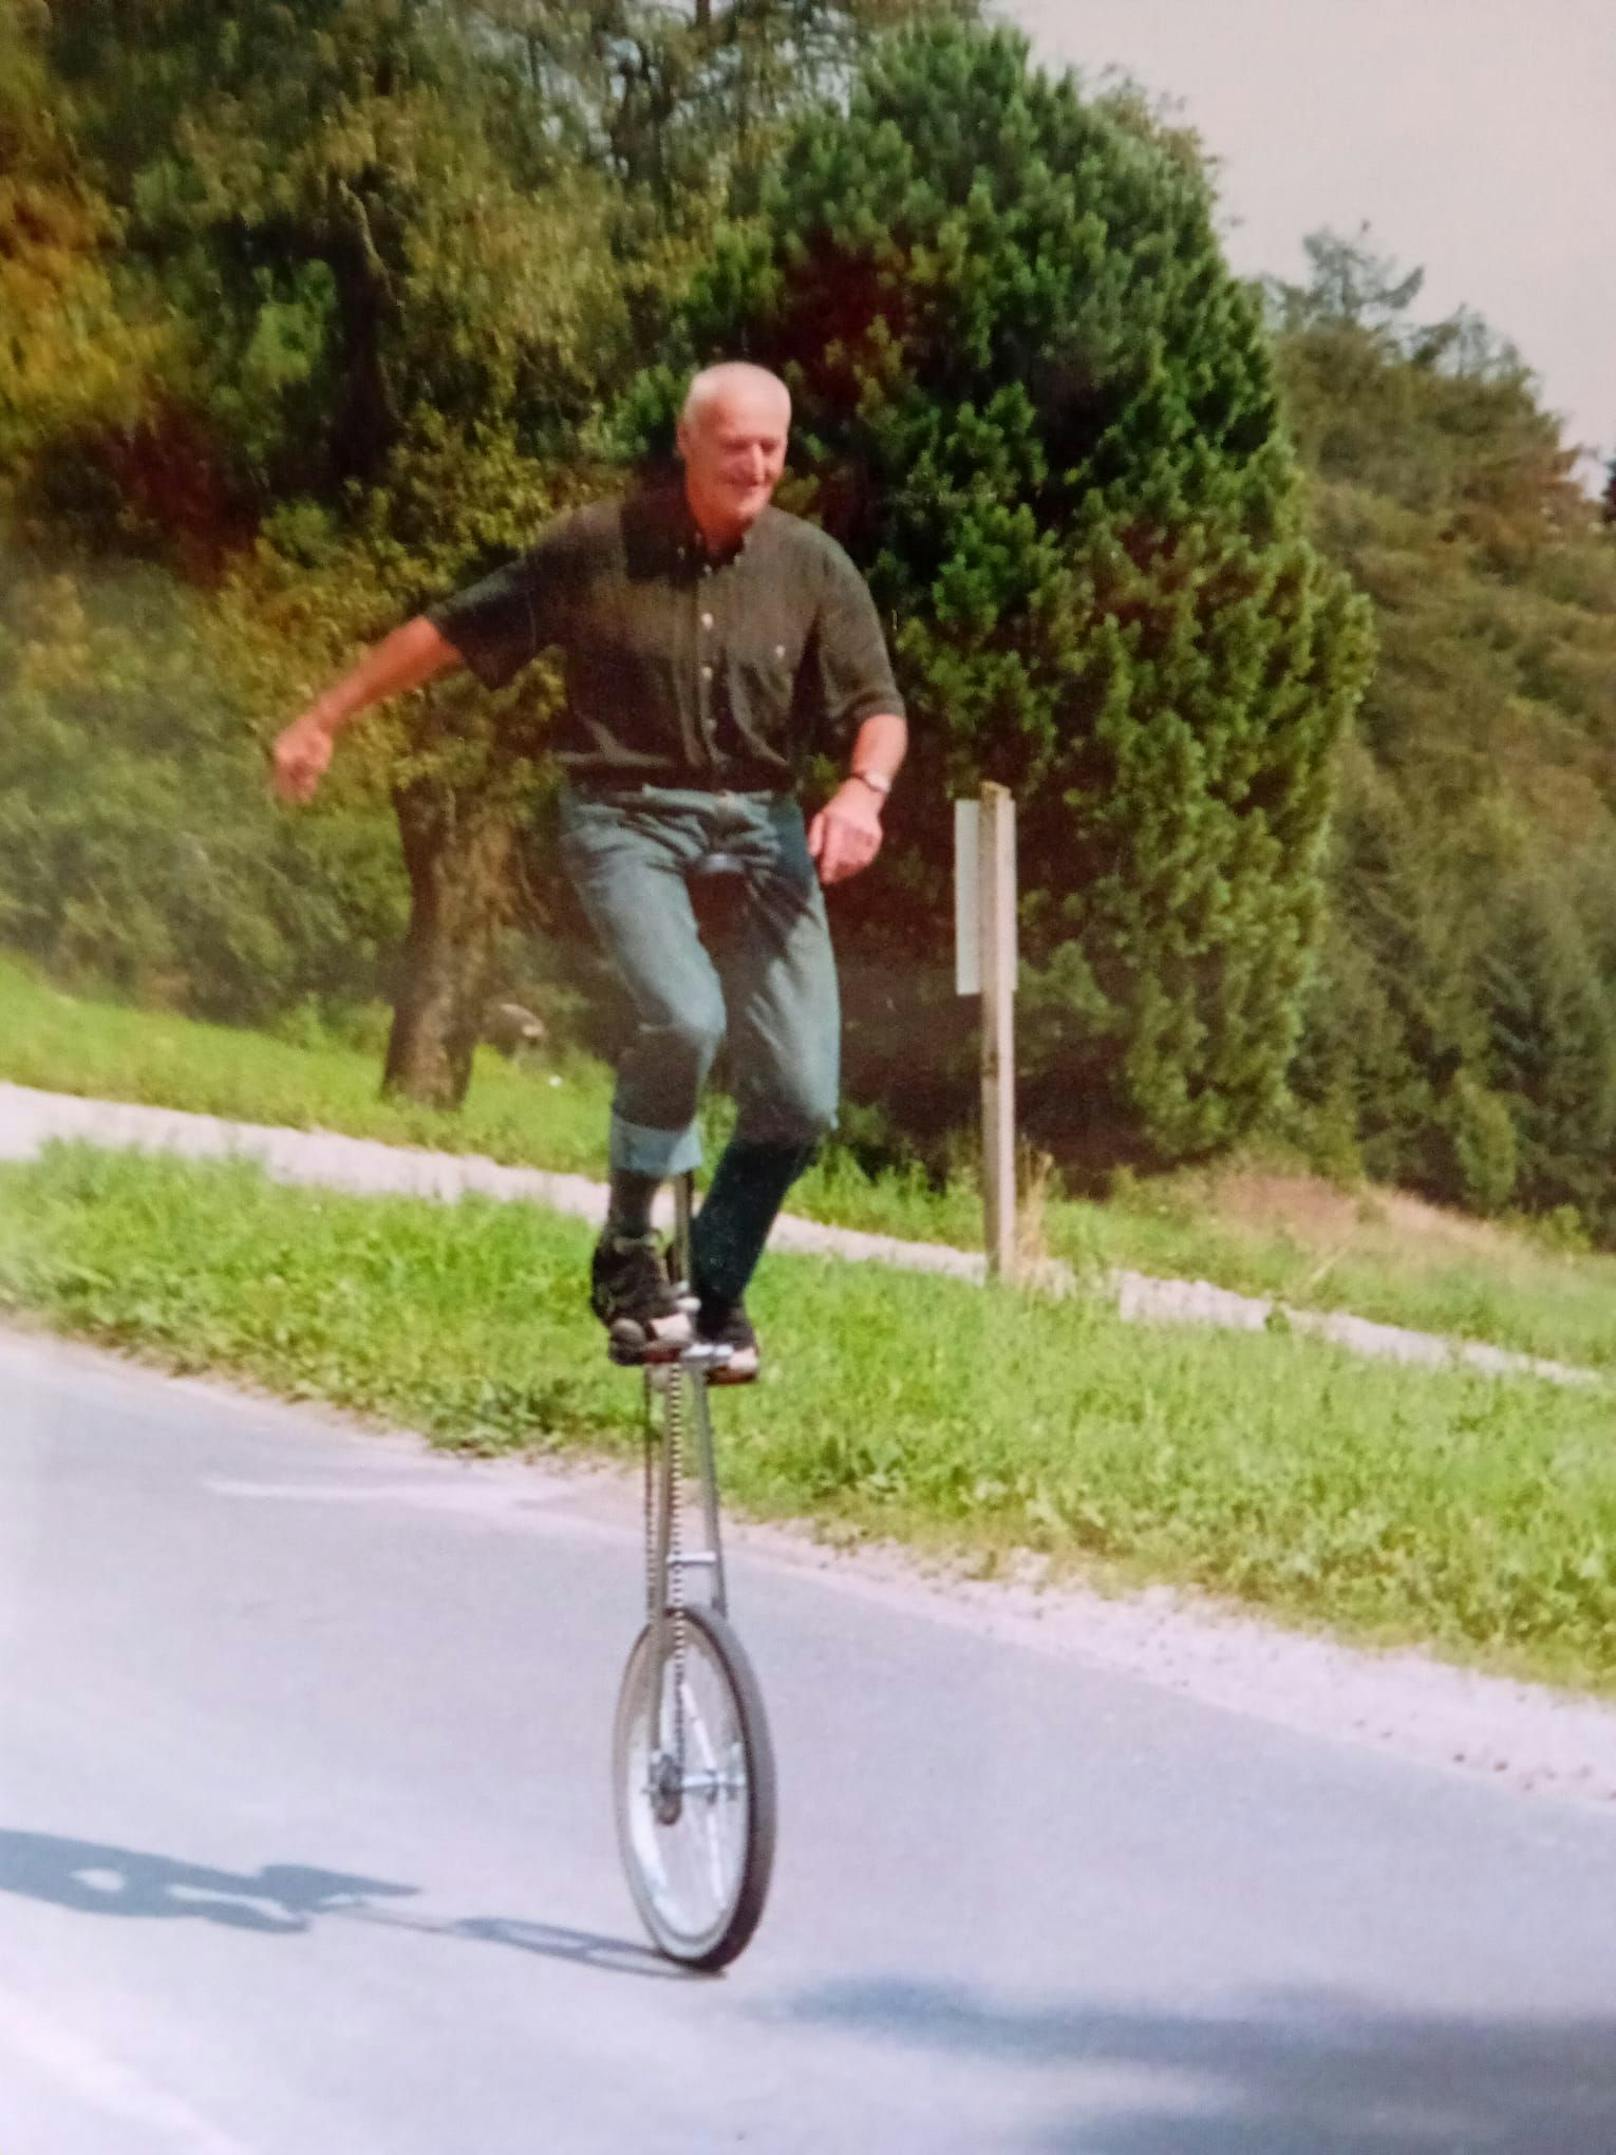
[{"x": 1477, "y": 138}]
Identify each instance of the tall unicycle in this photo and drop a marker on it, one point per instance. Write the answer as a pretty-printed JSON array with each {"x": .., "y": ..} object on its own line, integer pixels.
[{"x": 692, "y": 1764}]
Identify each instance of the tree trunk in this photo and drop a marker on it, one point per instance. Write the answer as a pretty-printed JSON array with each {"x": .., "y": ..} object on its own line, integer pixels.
[
  {"x": 458, "y": 851},
  {"x": 366, "y": 424}
]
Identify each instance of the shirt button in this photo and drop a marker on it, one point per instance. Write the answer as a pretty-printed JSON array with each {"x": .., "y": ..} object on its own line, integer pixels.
[
  {"x": 706, "y": 673},
  {"x": 706, "y": 621}
]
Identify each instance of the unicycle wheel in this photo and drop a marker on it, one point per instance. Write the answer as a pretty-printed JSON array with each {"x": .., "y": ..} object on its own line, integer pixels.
[{"x": 696, "y": 1833}]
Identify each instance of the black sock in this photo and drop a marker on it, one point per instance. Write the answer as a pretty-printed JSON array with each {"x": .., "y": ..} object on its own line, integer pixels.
[{"x": 629, "y": 1210}]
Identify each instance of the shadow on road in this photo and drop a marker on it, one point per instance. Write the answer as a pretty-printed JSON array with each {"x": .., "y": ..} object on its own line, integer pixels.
[
  {"x": 1291, "y": 2074},
  {"x": 281, "y": 1899},
  {"x": 618, "y": 1955},
  {"x": 101, "y": 1880}
]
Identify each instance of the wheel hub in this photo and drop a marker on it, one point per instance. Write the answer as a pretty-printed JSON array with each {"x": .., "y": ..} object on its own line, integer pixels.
[{"x": 666, "y": 1789}]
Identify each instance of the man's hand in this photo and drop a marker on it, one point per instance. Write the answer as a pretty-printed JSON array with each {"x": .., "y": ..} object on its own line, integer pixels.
[
  {"x": 845, "y": 836},
  {"x": 408, "y": 658},
  {"x": 302, "y": 755}
]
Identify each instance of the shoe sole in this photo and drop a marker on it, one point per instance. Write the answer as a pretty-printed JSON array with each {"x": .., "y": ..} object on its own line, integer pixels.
[
  {"x": 740, "y": 1368},
  {"x": 629, "y": 1347}
]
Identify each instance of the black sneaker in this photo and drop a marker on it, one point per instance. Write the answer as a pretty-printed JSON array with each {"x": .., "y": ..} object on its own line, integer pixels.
[
  {"x": 726, "y": 1324},
  {"x": 629, "y": 1293}
]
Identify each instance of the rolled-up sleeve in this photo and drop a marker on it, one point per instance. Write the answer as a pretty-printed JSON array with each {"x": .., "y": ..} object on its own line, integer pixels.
[
  {"x": 502, "y": 623},
  {"x": 849, "y": 655}
]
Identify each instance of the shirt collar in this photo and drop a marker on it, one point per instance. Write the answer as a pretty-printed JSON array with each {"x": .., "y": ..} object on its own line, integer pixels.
[{"x": 663, "y": 516}]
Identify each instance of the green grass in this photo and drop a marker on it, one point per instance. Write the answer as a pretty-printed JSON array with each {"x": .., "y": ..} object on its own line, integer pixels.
[
  {"x": 104, "y": 1050},
  {"x": 1396, "y": 1504},
  {"x": 1291, "y": 1237},
  {"x": 1377, "y": 1253},
  {"x": 550, "y": 1112}
]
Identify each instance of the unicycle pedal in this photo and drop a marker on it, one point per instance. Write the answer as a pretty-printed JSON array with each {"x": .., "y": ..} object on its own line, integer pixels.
[{"x": 642, "y": 1353}]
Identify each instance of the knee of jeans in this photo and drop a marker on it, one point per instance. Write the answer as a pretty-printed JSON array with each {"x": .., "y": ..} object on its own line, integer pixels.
[
  {"x": 816, "y": 1118},
  {"x": 797, "y": 1116},
  {"x": 692, "y": 1039}
]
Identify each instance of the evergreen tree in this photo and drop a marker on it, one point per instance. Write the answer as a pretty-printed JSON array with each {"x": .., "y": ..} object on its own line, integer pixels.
[
  {"x": 1552, "y": 1049},
  {"x": 1453, "y": 1034},
  {"x": 1037, "y": 408}
]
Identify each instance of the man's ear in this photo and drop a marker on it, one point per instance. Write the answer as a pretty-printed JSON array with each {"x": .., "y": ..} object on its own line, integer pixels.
[{"x": 680, "y": 440}]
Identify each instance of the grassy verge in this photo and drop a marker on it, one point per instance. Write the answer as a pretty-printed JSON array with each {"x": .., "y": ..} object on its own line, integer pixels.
[
  {"x": 547, "y": 1113},
  {"x": 1293, "y": 1237},
  {"x": 1395, "y": 1504},
  {"x": 104, "y": 1050}
]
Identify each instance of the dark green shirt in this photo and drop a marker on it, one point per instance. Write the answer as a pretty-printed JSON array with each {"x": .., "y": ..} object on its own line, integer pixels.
[{"x": 684, "y": 669}]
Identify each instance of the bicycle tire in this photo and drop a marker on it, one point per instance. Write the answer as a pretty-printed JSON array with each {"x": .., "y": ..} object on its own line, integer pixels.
[{"x": 712, "y": 1939}]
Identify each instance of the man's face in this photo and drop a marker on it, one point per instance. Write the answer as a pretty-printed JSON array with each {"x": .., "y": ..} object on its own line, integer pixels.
[{"x": 735, "y": 450}]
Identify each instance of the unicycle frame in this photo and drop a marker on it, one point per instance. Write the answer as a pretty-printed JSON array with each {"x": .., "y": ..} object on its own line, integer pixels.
[
  {"x": 678, "y": 1772},
  {"x": 670, "y": 1389}
]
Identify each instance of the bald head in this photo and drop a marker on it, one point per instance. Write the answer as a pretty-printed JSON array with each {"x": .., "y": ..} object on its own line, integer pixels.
[
  {"x": 734, "y": 382},
  {"x": 732, "y": 436}
]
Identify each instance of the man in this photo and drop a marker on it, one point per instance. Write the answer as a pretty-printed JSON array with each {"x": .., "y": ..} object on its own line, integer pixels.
[{"x": 711, "y": 643}]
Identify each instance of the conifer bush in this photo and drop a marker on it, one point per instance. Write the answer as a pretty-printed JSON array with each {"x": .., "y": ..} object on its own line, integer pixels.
[{"x": 1039, "y": 410}]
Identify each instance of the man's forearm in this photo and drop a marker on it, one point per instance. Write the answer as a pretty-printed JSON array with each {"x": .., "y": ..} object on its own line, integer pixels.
[
  {"x": 879, "y": 747},
  {"x": 411, "y": 656}
]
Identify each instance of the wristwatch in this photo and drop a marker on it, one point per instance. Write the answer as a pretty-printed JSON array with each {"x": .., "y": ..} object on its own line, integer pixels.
[{"x": 877, "y": 781}]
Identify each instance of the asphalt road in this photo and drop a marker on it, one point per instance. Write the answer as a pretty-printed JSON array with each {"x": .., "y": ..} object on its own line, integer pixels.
[{"x": 306, "y": 1849}]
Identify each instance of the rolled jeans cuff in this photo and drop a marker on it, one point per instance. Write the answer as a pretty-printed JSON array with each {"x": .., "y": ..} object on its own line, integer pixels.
[{"x": 639, "y": 1149}]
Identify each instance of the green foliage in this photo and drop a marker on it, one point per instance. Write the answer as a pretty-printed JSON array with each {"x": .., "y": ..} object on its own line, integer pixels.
[
  {"x": 1486, "y": 1153},
  {"x": 679, "y": 103},
  {"x": 316, "y": 307},
  {"x": 1469, "y": 970},
  {"x": 394, "y": 305},
  {"x": 408, "y": 253},
  {"x": 370, "y": 243},
  {"x": 1552, "y": 1047},
  {"x": 1036, "y": 407},
  {"x": 138, "y": 844},
  {"x": 69, "y": 355}
]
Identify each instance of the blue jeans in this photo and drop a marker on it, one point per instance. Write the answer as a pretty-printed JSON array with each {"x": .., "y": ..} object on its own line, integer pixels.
[{"x": 631, "y": 855}]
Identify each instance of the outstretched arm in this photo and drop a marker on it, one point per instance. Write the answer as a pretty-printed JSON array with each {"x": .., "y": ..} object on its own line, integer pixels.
[
  {"x": 845, "y": 836},
  {"x": 408, "y": 658}
]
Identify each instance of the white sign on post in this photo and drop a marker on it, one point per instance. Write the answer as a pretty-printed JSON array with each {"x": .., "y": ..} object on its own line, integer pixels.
[{"x": 967, "y": 898}]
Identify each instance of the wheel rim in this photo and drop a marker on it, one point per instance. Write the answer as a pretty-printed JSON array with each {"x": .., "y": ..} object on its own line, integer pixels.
[{"x": 686, "y": 1837}]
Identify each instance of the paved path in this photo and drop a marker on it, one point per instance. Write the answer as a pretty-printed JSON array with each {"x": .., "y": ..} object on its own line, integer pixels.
[
  {"x": 305, "y": 1847},
  {"x": 29, "y": 1120}
]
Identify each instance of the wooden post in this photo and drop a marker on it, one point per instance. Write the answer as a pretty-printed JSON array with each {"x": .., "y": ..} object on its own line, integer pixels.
[{"x": 996, "y": 927}]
